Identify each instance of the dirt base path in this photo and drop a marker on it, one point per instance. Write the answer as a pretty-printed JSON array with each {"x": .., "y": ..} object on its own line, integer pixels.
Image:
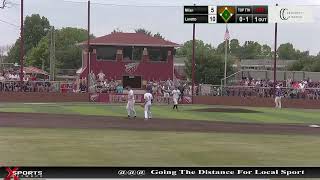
[{"x": 32, "y": 120}]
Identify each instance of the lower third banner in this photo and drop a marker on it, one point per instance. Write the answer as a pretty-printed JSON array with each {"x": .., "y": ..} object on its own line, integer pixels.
[{"x": 159, "y": 172}]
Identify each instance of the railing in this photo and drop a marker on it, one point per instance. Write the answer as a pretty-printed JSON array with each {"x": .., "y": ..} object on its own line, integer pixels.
[
  {"x": 69, "y": 72},
  {"x": 37, "y": 86},
  {"x": 265, "y": 92}
]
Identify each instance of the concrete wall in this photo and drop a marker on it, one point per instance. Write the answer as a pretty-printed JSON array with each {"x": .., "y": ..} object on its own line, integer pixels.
[{"x": 43, "y": 97}]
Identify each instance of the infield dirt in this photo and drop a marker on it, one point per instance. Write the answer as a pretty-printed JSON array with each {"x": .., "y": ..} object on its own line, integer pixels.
[{"x": 37, "y": 120}]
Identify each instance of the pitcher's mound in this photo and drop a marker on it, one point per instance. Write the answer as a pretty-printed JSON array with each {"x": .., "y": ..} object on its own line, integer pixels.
[{"x": 228, "y": 110}]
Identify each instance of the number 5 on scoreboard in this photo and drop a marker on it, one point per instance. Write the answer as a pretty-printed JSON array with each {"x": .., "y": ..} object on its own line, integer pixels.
[
  {"x": 212, "y": 10},
  {"x": 212, "y": 19}
]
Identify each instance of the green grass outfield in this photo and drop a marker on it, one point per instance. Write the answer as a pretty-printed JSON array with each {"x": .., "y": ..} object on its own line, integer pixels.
[
  {"x": 93, "y": 147},
  {"x": 263, "y": 115},
  {"x": 75, "y": 147}
]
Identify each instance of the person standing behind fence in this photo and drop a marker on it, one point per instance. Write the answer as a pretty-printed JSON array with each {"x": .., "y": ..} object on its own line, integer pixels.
[
  {"x": 278, "y": 97},
  {"x": 147, "y": 104},
  {"x": 175, "y": 97},
  {"x": 130, "y": 105}
]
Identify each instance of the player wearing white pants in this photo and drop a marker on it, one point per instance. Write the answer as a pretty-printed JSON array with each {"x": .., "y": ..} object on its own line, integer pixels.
[
  {"x": 130, "y": 105},
  {"x": 166, "y": 93},
  {"x": 147, "y": 105},
  {"x": 175, "y": 98},
  {"x": 278, "y": 97}
]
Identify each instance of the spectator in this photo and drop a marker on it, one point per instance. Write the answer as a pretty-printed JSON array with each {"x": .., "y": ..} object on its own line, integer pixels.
[{"x": 101, "y": 76}]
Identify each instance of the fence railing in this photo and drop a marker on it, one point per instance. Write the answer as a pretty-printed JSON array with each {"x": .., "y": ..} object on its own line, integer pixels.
[
  {"x": 37, "y": 86},
  {"x": 248, "y": 91},
  {"x": 202, "y": 90}
]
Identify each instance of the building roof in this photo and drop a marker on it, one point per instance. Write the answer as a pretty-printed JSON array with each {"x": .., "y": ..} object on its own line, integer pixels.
[
  {"x": 34, "y": 70},
  {"x": 130, "y": 39}
]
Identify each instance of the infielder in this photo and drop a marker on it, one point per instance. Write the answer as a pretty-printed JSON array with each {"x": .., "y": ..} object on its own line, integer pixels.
[
  {"x": 130, "y": 104},
  {"x": 278, "y": 97},
  {"x": 175, "y": 98},
  {"x": 147, "y": 105}
]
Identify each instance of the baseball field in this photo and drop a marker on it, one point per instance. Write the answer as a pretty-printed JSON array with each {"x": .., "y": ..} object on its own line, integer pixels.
[{"x": 83, "y": 134}]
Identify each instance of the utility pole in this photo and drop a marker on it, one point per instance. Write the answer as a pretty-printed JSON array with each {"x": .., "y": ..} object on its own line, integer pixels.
[
  {"x": 275, "y": 57},
  {"x": 21, "y": 42},
  {"x": 52, "y": 54},
  {"x": 88, "y": 48},
  {"x": 225, "y": 60},
  {"x": 193, "y": 58}
]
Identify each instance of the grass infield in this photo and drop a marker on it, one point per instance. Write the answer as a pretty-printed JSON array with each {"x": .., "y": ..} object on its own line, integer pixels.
[
  {"x": 85, "y": 147},
  {"x": 240, "y": 114},
  {"x": 108, "y": 147}
]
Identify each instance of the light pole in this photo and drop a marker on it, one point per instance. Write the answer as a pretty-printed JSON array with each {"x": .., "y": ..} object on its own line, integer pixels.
[
  {"x": 88, "y": 48},
  {"x": 21, "y": 42}
]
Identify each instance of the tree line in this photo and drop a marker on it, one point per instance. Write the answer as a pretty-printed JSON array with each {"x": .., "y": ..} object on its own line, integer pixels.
[
  {"x": 37, "y": 40},
  {"x": 209, "y": 59}
]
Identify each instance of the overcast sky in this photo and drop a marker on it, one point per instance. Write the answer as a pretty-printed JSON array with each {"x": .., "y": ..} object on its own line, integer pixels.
[{"x": 164, "y": 16}]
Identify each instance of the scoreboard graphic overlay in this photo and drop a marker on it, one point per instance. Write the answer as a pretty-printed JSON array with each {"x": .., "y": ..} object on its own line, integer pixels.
[{"x": 225, "y": 14}]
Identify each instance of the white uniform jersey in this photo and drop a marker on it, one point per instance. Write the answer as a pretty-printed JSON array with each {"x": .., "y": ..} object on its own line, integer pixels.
[
  {"x": 148, "y": 98},
  {"x": 130, "y": 95},
  {"x": 176, "y": 94}
]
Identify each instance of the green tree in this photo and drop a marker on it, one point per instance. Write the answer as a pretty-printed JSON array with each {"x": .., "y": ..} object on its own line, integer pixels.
[
  {"x": 305, "y": 64},
  {"x": 13, "y": 54},
  {"x": 158, "y": 35},
  {"x": 209, "y": 64},
  {"x": 144, "y": 31},
  {"x": 221, "y": 48},
  {"x": 35, "y": 28},
  {"x": 266, "y": 51},
  {"x": 286, "y": 51},
  {"x": 117, "y": 30},
  {"x": 316, "y": 66},
  {"x": 39, "y": 55},
  {"x": 250, "y": 50},
  {"x": 235, "y": 48},
  {"x": 68, "y": 53}
]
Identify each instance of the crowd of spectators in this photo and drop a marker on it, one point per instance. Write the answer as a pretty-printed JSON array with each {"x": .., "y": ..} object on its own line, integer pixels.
[
  {"x": 163, "y": 88},
  {"x": 101, "y": 84},
  {"x": 10, "y": 82},
  {"x": 265, "y": 88}
]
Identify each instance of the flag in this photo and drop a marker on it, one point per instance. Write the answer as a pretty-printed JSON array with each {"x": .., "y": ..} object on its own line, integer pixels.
[{"x": 226, "y": 34}]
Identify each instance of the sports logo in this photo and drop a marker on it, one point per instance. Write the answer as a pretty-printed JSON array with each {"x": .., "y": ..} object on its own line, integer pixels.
[
  {"x": 15, "y": 173},
  {"x": 284, "y": 14},
  {"x": 187, "y": 99},
  {"x": 291, "y": 14},
  {"x": 11, "y": 174},
  {"x": 131, "y": 67}
]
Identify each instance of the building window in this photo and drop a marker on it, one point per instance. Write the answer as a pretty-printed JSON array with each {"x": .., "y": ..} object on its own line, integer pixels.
[
  {"x": 132, "y": 53},
  {"x": 137, "y": 53},
  {"x": 158, "y": 54},
  {"x": 106, "y": 53},
  {"x": 127, "y": 53}
]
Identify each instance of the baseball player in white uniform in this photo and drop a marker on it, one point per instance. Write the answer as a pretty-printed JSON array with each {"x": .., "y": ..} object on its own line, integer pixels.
[
  {"x": 147, "y": 105},
  {"x": 166, "y": 93},
  {"x": 175, "y": 98},
  {"x": 130, "y": 105}
]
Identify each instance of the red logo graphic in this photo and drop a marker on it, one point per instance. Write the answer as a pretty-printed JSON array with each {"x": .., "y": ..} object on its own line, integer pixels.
[{"x": 11, "y": 174}]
